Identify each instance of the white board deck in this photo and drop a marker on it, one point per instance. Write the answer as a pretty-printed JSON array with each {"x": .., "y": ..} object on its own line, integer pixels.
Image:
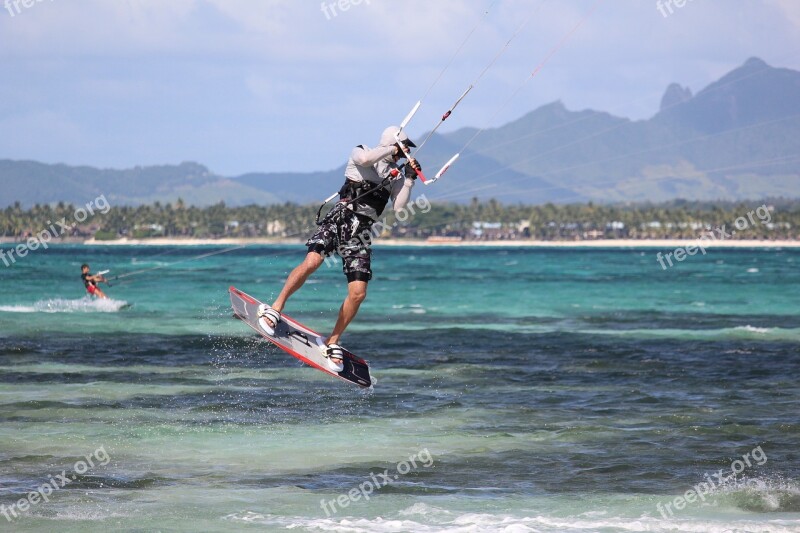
[{"x": 299, "y": 341}]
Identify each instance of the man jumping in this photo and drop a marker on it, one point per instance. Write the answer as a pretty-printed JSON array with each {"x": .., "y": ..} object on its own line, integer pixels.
[{"x": 372, "y": 177}]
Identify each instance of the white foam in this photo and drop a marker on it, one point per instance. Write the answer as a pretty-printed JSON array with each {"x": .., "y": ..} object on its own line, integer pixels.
[
  {"x": 61, "y": 305},
  {"x": 416, "y": 309},
  {"x": 753, "y": 329},
  {"x": 738, "y": 332},
  {"x": 17, "y": 309},
  {"x": 423, "y": 518}
]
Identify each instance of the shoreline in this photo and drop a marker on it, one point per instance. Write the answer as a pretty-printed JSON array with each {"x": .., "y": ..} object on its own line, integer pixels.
[{"x": 603, "y": 243}]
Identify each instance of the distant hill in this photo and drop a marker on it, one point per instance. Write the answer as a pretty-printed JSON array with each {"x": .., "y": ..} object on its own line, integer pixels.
[
  {"x": 29, "y": 182},
  {"x": 737, "y": 138}
]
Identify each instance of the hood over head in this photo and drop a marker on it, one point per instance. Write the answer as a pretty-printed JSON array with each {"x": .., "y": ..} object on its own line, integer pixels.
[{"x": 388, "y": 137}]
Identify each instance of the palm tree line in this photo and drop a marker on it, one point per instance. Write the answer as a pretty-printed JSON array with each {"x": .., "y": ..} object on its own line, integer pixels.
[{"x": 475, "y": 220}]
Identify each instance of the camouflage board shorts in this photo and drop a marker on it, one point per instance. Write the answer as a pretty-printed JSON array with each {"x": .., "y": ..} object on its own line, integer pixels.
[{"x": 348, "y": 235}]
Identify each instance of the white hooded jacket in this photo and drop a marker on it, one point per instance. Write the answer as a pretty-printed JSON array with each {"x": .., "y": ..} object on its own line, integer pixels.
[{"x": 373, "y": 165}]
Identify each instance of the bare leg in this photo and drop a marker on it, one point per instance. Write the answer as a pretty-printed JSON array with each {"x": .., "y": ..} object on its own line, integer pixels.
[
  {"x": 356, "y": 293},
  {"x": 296, "y": 280},
  {"x": 100, "y": 294}
]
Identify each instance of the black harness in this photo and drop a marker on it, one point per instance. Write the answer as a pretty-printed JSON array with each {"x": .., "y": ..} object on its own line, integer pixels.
[
  {"x": 353, "y": 193},
  {"x": 375, "y": 195},
  {"x": 87, "y": 282}
]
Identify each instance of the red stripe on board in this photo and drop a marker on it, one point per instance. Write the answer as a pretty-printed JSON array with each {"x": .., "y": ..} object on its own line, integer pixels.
[
  {"x": 243, "y": 295},
  {"x": 299, "y": 326},
  {"x": 303, "y": 359}
]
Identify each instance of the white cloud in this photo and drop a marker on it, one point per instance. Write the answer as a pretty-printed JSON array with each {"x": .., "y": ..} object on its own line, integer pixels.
[
  {"x": 287, "y": 75},
  {"x": 790, "y": 8}
]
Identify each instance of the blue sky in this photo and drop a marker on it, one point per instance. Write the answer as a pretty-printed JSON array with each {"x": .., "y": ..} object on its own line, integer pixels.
[{"x": 280, "y": 85}]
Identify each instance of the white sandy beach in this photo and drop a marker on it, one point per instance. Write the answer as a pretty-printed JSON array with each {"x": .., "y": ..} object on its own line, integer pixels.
[{"x": 602, "y": 243}]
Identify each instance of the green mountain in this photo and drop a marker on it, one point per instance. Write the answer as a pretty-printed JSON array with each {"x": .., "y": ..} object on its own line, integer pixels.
[
  {"x": 738, "y": 138},
  {"x": 29, "y": 183}
]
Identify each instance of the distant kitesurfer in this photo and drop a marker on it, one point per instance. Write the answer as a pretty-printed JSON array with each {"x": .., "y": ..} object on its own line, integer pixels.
[
  {"x": 90, "y": 282},
  {"x": 372, "y": 177}
]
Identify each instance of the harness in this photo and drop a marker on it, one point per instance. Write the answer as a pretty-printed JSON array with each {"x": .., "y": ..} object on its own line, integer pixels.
[
  {"x": 353, "y": 193},
  {"x": 87, "y": 282},
  {"x": 375, "y": 195}
]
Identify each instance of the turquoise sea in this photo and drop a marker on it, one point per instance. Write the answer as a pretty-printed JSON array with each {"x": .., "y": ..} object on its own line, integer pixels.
[{"x": 518, "y": 390}]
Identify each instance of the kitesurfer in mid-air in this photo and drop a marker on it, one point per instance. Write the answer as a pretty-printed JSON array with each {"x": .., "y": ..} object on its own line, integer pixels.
[{"x": 373, "y": 176}]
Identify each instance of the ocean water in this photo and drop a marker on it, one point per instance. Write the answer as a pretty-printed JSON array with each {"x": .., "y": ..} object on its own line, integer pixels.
[{"x": 518, "y": 390}]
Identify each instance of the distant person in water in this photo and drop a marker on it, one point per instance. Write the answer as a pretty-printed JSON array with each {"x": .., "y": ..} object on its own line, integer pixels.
[{"x": 90, "y": 282}]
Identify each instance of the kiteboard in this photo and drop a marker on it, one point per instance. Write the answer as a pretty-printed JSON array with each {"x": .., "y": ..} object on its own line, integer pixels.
[{"x": 299, "y": 341}]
